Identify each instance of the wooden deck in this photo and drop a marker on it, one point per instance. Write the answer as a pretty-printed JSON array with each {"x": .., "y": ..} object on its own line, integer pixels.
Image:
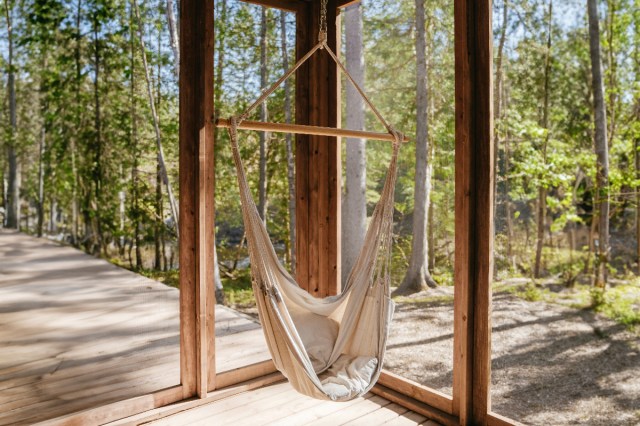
[
  {"x": 280, "y": 405},
  {"x": 77, "y": 332}
]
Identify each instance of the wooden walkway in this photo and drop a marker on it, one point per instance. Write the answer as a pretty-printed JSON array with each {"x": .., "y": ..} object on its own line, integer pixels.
[{"x": 77, "y": 332}]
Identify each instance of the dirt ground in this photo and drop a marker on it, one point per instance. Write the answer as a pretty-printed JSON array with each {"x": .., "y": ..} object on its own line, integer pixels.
[{"x": 552, "y": 365}]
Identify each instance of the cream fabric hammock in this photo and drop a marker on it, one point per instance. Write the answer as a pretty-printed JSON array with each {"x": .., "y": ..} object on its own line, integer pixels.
[{"x": 329, "y": 348}]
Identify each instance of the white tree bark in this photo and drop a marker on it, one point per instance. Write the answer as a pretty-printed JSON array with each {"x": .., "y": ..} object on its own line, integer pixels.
[
  {"x": 41, "y": 149},
  {"x": 418, "y": 277},
  {"x": 156, "y": 125},
  {"x": 354, "y": 210},
  {"x": 173, "y": 35},
  {"x": 602, "y": 149},
  {"x": 220, "y": 38}
]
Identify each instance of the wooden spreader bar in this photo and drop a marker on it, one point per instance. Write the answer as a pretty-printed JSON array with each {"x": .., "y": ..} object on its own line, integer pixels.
[{"x": 308, "y": 130}]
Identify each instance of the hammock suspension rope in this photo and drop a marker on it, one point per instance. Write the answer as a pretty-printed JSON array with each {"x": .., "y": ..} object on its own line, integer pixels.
[{"x": 331, "y": 348}]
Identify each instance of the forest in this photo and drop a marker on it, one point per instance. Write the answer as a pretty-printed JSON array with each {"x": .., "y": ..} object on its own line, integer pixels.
[{"x": 89, "y": 125}]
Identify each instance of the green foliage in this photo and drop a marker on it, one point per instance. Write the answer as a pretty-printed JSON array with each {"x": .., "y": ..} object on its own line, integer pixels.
[
  {"x": 75, "y": 58},
  {"x": 620, "y": 303},
  {"x": 531, "y": 293},
  {"x": 238, "y": 292}
]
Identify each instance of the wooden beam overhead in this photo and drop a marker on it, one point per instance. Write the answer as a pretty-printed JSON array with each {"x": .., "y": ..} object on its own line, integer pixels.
[
  {"x": 286, "y": 5},
  {"x": 474, "y": 171},
  {"x": 346, "y": 3},
  {"x": 296, "y": 5}
]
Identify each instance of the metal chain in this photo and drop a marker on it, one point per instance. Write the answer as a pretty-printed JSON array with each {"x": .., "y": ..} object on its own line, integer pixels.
[{"x": 322, "y": 35}]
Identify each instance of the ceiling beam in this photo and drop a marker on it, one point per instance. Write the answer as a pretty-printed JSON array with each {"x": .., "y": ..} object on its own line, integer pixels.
[
  {"x": 345, "y": 3},
  {"x": 286, "y": 5}
]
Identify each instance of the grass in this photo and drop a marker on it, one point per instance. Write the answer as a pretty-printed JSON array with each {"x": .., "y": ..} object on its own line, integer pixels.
[
  {"x": 439, "y": 299},
  {"x": 237, "y": 289},
  {"x": 170, "y": 277},
  {"x": 620, "y": 302}
]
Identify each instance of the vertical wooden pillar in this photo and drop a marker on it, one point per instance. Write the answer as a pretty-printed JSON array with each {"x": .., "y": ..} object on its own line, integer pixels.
[
  {"x": 474, "y": 210},
  {"x": 318, "y": 166},
  {"x": 196, "y": 197}
]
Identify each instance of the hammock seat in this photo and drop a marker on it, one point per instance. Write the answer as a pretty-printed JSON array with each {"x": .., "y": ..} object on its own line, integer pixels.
[{"x": 331, "y": 348}]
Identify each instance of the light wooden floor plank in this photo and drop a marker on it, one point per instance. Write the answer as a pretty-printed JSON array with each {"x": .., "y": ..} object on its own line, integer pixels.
[
  {"x": 347, "y": 414},
  {"x": 316, "y": 412},
  {"x": 77, "y": 332},
  {"x": 408, "y": 419},
  {"x": 379, "y": 416}
]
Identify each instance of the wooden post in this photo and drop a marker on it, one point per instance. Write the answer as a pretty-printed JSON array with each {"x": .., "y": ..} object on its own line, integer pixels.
[
  {"x": 196, "y": 198},
  {"x": 474, "y": 211},
  {"x": 318, "y": 167}
]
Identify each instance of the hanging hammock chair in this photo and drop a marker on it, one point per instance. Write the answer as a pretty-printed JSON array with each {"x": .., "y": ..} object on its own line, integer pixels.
[{"x": 329, "y": 348}]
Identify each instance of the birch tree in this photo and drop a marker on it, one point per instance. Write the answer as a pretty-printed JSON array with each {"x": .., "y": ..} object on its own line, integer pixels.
[
  {"x": 418, "y": 276},
  {"x": 217, "y": 105},
  {"x": 354, "y": 211},
  {"x": 156, "y": 126},
  {"x": 173, "y": 37}
]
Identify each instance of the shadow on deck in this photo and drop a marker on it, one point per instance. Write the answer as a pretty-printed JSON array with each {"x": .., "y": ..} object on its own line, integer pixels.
[{"x": 77, "y": 332}]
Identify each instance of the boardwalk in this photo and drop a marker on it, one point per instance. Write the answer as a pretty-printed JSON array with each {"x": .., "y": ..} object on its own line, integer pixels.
[{"x": 77, "y": 332}]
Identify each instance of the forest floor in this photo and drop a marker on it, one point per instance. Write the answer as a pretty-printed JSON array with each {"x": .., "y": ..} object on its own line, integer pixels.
[{"x": 551, "y": 364}]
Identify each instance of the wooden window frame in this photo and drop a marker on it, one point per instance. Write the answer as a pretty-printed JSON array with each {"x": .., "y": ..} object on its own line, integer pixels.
[
  {"x": 474, "y": 174},
  {"x": 470, "y": 402}
]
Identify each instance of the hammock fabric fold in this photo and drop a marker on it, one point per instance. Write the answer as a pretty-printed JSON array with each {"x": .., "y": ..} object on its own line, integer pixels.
[{"x": 331, "y": 348}]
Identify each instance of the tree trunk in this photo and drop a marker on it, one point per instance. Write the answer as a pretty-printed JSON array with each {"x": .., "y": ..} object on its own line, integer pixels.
[
  {"x": 74, "y": 145},
  {"x": 499, "y": 72},
  {"x": 499, "y": 114},
  {"x": 498, "y": 103},
  {"x": 418, "y": 277},
  {"x": 354, "y": 211},
  {"x": 97, "y": 164},
  {"x": 53, "y": 217},
  {"x": 220, "y": 38},
  {"x": 636, "y": 142},
  {"x": 637, "y": 164},
  {"x": 507, "y": 168},
  {"x": 13, "y": 191},
  {"x": 264, "y": 114},
  {"x": 289, "y": 146},
  {"x": 42, "y": 148},
  {"x": 613, "y": 68},
  {"x": 134, "y": 145},
  {"x": 542, "y": 190},
  {"x": 156, "y": 125},
  {"x": 173, "y": 35},
  {"x": 219, "y": 290},
  {"x": 601, "y": 147},
  {"x": 40, "y": 222},
  {"x": 159, "y": 228}
]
